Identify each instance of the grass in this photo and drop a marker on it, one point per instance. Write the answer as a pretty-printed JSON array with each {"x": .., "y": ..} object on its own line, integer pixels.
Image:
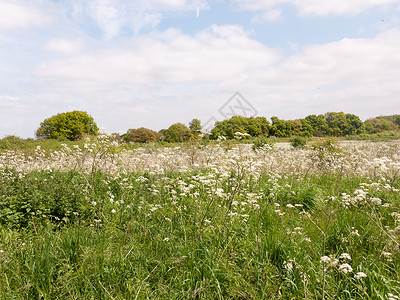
[{"x": 203, "y": 233}]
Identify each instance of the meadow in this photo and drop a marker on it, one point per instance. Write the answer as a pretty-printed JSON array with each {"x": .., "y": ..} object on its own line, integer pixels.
[{"x": 224, "y": 221}]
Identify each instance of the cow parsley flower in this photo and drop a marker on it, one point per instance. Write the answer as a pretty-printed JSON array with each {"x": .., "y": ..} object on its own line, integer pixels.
[
  {"x": 345, "y": 256},
  {"x": 345, "y": 268},
  {"x": 360, "y": 275}
]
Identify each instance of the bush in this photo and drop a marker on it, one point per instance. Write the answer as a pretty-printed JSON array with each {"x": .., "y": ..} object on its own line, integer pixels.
[
  {"x": 298, "y": 142},
  {"x": 177, "y": 132},
  {"x": 70, "y": 125},
  {"x": 141, "y": 135},
  {"x": 263, "y": 141}
]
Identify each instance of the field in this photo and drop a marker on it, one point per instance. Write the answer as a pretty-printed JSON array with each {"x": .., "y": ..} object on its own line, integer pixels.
[{"x": 221, "y": 221}]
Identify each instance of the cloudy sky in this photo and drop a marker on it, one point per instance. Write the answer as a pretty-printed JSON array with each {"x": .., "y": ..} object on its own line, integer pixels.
[{"x": 153, "y": 63}]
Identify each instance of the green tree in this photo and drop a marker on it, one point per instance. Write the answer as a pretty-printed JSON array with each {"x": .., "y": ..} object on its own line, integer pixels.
[
  {"x": 141, "y": 135},
  {"x": 71, "y": 125},
  {"x": 258, "y": 126},
  {"x": 355, "y": 125},
  {"x": 337, "y": 123},
  {"x": 306, "y": 128},
  {"x": 378, "y": 125},
  {"x": 318, "y": 124},
  {"x": 177, "y": 132},
  {"x": 280, "y": 128},
  {"x": 195, "y": 127}
]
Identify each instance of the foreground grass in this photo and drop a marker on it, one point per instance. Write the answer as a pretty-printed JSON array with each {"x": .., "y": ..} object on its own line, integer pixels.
[{"x": 202, "y": 235}]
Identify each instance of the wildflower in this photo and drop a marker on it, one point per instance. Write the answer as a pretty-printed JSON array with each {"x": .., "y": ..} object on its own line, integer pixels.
[
  {"x": 345, "y": 256},
  {"x": 392, "y": 297},
  {"x": 360, "y": 275},
  {"x": 1, "y": 251},
  {"x": 166, "y": 239},
  {"x": 334, "y": 262},
  {"x": 325, "y": 259},
  {"x": 355, "y": 232},
  {"x": 387, "y": 255},
  {"x": 345, "y": 268},
  {"x": 113, "y": 211},
  {"x": 288, "y": 265}
]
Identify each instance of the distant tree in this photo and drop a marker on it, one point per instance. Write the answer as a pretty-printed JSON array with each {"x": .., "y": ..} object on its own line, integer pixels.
[
  {"x": 306, "y": 128},
  {"x": 318, "y": 124},
  {"x": 177, "y": 132},
  {"x": 258, "y": 126},
  {"x": 280, "y": 128},
  {"x": 378, "y": 125},
  {"x": 228, "y": 128},
  {"x": 195, "y": 127},
  {"x": 355, "y": 125},
  {"x": 71, "y": 125},
  {"x": 397, "y": 120},
  {"x": 337, "y": 123},
  {"x": 141, "y": 135},
  {"x": 296, "y": 127},
  {"x": 238, "y": 124}
]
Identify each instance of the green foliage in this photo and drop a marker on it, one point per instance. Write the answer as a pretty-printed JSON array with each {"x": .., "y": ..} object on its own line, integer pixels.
[
  {"x": 280, "y": 128},
  {"x": 116, "y": 237},
  {"x": 318, "y": 124},
  {"x": 177, "y": 132},
  {"x": 337, "y": 123},
  {"x": 263, "y": 142},
  {"x": 341, "y": 124},
  {"x": 141, "y": 135},
  {"x": 70, "y": 125},
  {"x": 220, "y": 232},
  {"x": 252, "y": 126},
  {"x": 195, "y": 127},
  {"x": 298, "y": 142},
  {"x": 379, "y": 125},
  {"x": 355, "y": 125}
]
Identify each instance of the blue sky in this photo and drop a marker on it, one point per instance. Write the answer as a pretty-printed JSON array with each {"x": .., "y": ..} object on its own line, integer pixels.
[{"x": 154, "y": 63}]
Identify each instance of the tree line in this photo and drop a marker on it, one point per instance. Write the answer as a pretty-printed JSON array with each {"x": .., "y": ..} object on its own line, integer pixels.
[{"x": 77, "y": 124}]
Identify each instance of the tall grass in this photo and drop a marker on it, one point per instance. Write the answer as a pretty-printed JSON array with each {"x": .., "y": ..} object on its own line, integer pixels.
[{"x": 232, "y": 232}]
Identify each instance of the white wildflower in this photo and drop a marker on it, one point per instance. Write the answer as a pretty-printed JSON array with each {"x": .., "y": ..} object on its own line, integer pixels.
[
  {"x": 345, "y": 268},
  {"x": 345, "y": 256},
  {"x": 360, "y": 275},
  {"x": 325, "y": 259}
]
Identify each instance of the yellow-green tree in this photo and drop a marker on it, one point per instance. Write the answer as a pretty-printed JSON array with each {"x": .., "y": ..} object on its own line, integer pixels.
[
  {"x": 177, "y": 132},
  {"x": 70, "y": 125},
  {"x": 141, "y": 135}
]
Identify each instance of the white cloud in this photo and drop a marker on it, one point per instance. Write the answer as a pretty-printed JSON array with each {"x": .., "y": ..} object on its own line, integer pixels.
[
  {"x": 317, "y": 7},
  {"x": 268, "y": 16},
  {"x": 64, "y": 46},
  {"x": 116, "y": 18},
  {"x": 353, "y": 75},
  {"x": 167, "y": 57},
  {"x": 170, "y": 3},
  {"x": 20, "y": 15}
]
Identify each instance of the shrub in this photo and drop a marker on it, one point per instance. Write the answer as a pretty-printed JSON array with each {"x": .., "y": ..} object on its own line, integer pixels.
[
  {"x": 71, "y": 125},
  {"x": 141, "y": 135},
  {"x": 263, "y": 141},
  {"x": 177, "y": 132},
  {"x": 298, "y": 142}
]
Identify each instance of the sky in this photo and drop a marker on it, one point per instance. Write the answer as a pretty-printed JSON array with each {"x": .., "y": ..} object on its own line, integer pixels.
[{"x": 132, "y": 64}]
